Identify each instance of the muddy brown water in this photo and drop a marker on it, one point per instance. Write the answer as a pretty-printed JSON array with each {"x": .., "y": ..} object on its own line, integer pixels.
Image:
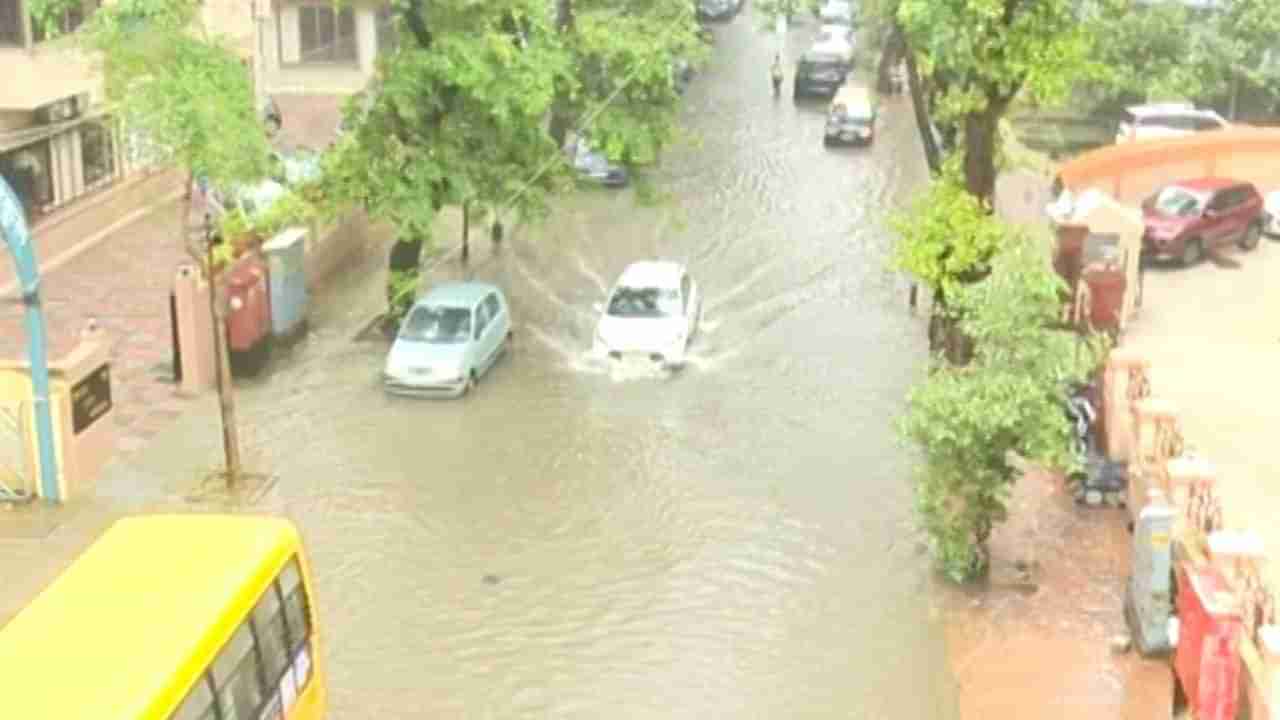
[{"x": 730, "y": 541}]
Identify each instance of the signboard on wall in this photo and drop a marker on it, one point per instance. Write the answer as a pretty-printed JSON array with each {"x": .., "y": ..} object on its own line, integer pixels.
[{"x": 90, "y": 398}]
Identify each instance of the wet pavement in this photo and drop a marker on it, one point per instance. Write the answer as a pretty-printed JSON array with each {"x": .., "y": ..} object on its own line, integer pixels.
[{"x": 570, "y": 541}]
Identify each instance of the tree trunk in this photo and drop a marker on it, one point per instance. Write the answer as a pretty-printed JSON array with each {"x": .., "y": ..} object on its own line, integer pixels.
[
  {"x": 980, "y": 138},
  {"x": 1235, "y": 97},
  {"x": 889, "y": 58},
  {"x": 932, "y": 153},
  {"x": 466, "y": 231},
  {"x": 561, "y": 112},
  {"x": 226, "y": 394}
]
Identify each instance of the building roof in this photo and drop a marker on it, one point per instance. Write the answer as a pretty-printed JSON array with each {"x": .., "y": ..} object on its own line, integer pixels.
[{"x": 113, "y": 634}]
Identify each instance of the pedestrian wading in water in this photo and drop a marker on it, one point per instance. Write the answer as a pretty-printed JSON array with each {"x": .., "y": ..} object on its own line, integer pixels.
[{"x": 775, "y": 74}]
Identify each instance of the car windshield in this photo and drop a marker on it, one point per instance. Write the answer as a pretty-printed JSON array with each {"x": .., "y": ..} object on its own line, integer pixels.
[
  {"x": 646, "y": 302},
  {"x": 445, "y": 325},
  {"x": 1179, "y": 202},
  {"x": 821, "y": 61}
]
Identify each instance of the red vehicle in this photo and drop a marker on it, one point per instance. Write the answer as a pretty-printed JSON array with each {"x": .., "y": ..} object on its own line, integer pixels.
[{"x": 1187, "y": 218}]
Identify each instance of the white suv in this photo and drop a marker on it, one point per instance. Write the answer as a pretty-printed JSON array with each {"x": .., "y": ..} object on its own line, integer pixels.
[{"x": 1166, "y": 120}]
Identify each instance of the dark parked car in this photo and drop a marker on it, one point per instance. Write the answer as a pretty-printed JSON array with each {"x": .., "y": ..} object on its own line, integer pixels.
[
  {"x": 1185, "y": 219},
  {"x": 718, "y": 9},
  {"x": 819, "y": 73}
]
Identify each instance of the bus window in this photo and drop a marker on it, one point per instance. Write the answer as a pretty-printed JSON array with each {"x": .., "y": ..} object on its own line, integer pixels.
[
  {"x": 236, "y": 677},
  {"x": 297, "y": 613},
  {"x": 273, "y": 636},
  {"x": 198, "y": 705}
]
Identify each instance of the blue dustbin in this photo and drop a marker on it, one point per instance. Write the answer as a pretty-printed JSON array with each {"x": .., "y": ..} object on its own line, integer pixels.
[{"x": 286, "y": 259}]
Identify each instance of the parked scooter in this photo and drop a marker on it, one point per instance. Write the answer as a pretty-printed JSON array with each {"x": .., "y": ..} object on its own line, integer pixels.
[{"x": 1098, "y": 479}]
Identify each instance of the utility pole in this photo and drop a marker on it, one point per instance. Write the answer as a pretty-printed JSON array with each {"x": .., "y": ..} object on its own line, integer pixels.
[{"x": 226, "y": 398}]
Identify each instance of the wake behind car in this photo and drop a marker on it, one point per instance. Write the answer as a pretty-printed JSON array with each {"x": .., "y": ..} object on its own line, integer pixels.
[
  {"x": 652, "y": 312},
  {"x": 449, "y": 339},
  {"x": 819, "y": 73},
  {"x": 1188, "y": 218}
]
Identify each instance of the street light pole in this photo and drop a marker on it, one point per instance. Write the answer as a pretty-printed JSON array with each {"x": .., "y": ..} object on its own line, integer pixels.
[{"x": 226, "y": 398}]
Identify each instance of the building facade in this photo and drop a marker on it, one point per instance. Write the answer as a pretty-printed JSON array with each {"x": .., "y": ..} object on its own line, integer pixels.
[
  {"x": 58, "y": 142},
  {"x": 314, "y": 54}
]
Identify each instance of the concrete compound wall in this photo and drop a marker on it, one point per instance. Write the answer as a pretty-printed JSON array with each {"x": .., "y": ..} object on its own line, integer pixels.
[
  {"x": 1132, "y": 171},
  {"x": 81, "y": 455},
  {"x": 1144, "y": 430}
]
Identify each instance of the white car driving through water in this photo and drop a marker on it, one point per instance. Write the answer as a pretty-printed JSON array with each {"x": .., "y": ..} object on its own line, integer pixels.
[{"x": 653, "y": 312}]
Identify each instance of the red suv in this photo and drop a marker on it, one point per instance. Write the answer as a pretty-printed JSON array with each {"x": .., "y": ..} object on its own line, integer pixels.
[{"x": 1186, "y": 218}]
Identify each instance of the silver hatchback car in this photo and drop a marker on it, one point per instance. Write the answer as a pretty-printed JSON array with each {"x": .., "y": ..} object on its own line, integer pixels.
[{"x": 449, "y": 339}]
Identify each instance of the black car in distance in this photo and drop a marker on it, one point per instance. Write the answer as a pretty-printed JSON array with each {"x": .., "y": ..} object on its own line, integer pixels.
[{"x": 819, "y": 74}]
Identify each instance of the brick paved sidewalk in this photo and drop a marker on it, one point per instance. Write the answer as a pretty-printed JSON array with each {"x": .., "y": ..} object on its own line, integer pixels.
[{"x": 124, "y": 283}]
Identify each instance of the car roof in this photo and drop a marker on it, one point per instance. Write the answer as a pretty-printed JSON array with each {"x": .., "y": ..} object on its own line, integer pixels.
[
  {"x": 652, "y": 273},
  {"x": 834, "y": 29},
  {"x": 853, "y": 97},
  {"x": 1170, "y": 108},
  {"x": 1208, "y": 183},
  {"x": 463, "y": 294}
]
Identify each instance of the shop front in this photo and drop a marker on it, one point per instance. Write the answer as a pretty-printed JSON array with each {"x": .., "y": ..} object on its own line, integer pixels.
[{"x": 54, "y": 166}]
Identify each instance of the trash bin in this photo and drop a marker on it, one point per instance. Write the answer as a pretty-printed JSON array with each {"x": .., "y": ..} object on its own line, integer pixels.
[
  {"x": 286, "y": 259},
  {"x": 1106, "y": 290},
  {"x": 1207, "y": 663}
]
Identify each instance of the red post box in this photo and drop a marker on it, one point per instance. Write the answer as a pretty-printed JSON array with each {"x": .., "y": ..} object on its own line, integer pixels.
[
  {"x": 248, "y": 313},
  {"x": 1106, "y": 290},
  {"x": 1207, "y": 660}
]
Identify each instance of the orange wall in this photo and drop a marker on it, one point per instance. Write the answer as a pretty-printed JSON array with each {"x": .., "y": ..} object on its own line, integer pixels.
[{"x": 1132, "y": 171}]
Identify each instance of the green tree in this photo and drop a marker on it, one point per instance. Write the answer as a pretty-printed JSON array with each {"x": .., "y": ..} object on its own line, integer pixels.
[
  {"x": 624, "y": 91},
  {"x": 454, "y": 117},
  {"x": 1172, "y": 50},
  {"x": 967, "y": 420},
  {"x": 982, "y": 54},
  {"x": 187, "y": 92}
]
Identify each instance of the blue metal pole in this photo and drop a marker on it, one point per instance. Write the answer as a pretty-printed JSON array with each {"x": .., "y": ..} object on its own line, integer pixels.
[{"x": 13, "y": 227}]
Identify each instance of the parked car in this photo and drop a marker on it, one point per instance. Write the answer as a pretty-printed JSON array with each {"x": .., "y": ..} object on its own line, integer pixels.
[
  {"x": 852, "y": 117},
  {"x": 653, "y": 311},
  {"x": 718, "y": 9},
  {"x": 593, "y": 165},
  {"x": 837, "y": 12},
  {"x": 1271, "y": 210},
  {"x": 1166, "y": 120},
  {"x": 1187, "y": 218},
  {"x": 449, "y": 339},
  {"x": 818, "y": 73},
  {"x": 836, "y": 40}
]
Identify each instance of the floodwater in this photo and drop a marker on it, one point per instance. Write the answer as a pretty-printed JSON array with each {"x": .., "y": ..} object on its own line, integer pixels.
[{"x": 732, "y": 540}]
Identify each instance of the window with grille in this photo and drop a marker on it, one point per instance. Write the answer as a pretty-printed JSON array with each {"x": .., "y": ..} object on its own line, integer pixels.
[{"x": 326, "y": 34}]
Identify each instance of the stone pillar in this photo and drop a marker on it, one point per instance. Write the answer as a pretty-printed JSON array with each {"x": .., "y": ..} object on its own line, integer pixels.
[
  {"x": 366, "y": 39},
  {"x": 1125, "y": 378},
  {"x": 195, "y": 330},
  {"x": 1145, "y": 466},
  {"x": 1233, "y": 552},
  {"x": 1184, "y": 474},
  {"x": 1269, "y": 642},
  {"x": 1068, "y": 257}
]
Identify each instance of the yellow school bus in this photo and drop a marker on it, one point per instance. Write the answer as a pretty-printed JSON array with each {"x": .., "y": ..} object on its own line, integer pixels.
[{"x": 171, "y": 617}]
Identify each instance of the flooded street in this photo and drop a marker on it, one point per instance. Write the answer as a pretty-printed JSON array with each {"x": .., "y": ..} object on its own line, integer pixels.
[{"x": 572, "y": 541}]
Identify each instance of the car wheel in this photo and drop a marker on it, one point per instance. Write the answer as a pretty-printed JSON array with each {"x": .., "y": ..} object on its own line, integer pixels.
[
  {"x": 796, "y": 94},
  {"x": 826, "y": 141},
  {"x": 1251, "y": 236},
  {"x": 1192, "y": 252}
]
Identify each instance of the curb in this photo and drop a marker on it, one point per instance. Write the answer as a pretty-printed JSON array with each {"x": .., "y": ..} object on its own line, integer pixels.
[{"x": 93, "y": 241}]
